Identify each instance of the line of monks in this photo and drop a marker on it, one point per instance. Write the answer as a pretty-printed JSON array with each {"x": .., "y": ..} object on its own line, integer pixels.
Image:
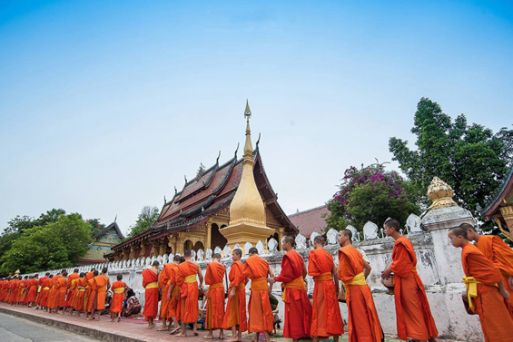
[
  {"x": 75, "y": 293},
  {"x": 487, "y": 264}
]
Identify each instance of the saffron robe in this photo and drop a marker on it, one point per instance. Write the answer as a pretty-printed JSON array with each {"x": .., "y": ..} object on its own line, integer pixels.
[
  {"x": 32, "y": 292},
  {"x": 102, "y": 284},
  {"x": 118, "y": 296},
  {"x": 53, "y": 295},
  {"x": 236, "y": 307},
  {"x": 164, "y": 289},
  {"x": 151, "y": 293},
  {"x": 189, "y": 310},
  {"x": 62, "y": 290},
  {"x": 413, "y": 314},
  {"x": 88, "y": 276},
  {"x": 173, "y": 293},
  {"x": 80, "y": 300},
  {"x": 495, "y": 249},
  {"x": 491, "y": 307},
  {"x": 72, "y": 291},
  {"x": 298, "y": 309},
  {"x": 45, "y": 291},
  {"x": 363, "y": 321},
  {"x": 326, "y": 317},
  {"x": 214, "y": 276},
  {"x": 261, "y": 317},
  {"x": 91, "y": 299}
]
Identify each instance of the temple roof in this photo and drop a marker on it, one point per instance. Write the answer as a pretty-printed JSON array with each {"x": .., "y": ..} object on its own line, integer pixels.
[
  {"x": 208, "y": 193},
  {"x": 503, "y": 191},
  {"x": 311, "y": 220}
]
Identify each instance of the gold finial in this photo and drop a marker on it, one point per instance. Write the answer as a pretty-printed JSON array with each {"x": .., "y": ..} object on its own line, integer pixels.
[
  {"x": 248, "y": 147},
  {"x": 440, "y": 194}
]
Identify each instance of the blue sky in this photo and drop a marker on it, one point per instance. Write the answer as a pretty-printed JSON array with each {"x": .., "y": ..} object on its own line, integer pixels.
[{"x": 105, "y": 105}]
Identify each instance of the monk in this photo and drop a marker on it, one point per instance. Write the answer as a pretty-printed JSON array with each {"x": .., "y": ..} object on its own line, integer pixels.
[
  {"x": 214, "y": 276},
  {"x": 150, "y": 277},
  {"x": 413, "y": 315},
  {"x": 88, "y": 276},
  {"x": 326, "y": 317},
  {"x": 235, "y": 315},
  {"x": 45, "y": 291},
  {"x": 62, "y": 285},
  {"x": 298, "y": 309},
  {"x": 188, "y": 275},
  {"x": 164, "y": 289},
  {"x": 80, "y": 299},
  {"x": 92, "y": 297},
  {"x": 353, "y": 270},
  {"x": 32, "y": 292},
  {"x": 72, "y": 290},
  {"x": 53, "y": 296},
  {"x": 495, "y": 249},
  {"x": 485, "y": 293},
  {"x": 23, "y": 290},
  {"x": 102, "y": 285},
  {"x": 173, "y": 294},
  {"x": 119, "y": 289},
  {"x": 261, "y": 317}
]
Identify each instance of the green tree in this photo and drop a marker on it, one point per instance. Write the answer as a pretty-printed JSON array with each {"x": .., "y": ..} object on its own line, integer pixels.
[
  {"x": 97, "y": 228},
  {"x": 371, "y": 194},
  {"x": 145, "y": 220},
  {"x": 471, "y": 158},
  {"x": 54, "y": 245}
]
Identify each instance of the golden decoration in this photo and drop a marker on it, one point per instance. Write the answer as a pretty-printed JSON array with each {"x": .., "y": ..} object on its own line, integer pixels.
[{"x": 440, "y": 194}]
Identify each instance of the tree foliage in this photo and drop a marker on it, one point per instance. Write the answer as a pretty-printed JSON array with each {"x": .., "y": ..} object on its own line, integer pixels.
[
  {"x": 52, "y": 245},
  {"x": 470, "y": 158},
  {"x": 147, "y": 217},
  {"x": 370, "y": 194}
]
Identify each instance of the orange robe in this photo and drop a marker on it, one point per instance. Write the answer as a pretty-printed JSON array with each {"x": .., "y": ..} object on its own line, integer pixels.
[
  {"x": 174, "y": 294},
  {"x": 72, "y": 291},
  {"x": 298, "y": 310},
  {"x": 413, "y": 314},
  {"x": 326, "y": 317},
  {"x": 495, "y": 249},
  {"x": 151, "y": 293},
  {"x": 189, "y": 310},
  {"x": 118, "y": 289},
  {"x": 491, "y": 307},
  {"x": 102, "y": 282},
  {"x": 62, "y": 285},
  {"x": 91, "y": 299},
  {"x": 53, "y": 295},
  {"x": 164, "y": 289},
  {"x": 261, "y": 317},
  {"x": 79, "y": 302},
  {"x": 23, "y": 291},
  {"x": 363, "y": 321},
  {"x": 32, "y": 292},
  {"x": 214, "y": 276},
  {"x": 236, "y": 307},
  {"x": 45, "y": 291},
  {"x": 88, "y": 276}
]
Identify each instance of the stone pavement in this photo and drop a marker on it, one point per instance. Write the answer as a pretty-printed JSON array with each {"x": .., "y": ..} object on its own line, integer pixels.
[{"x": 129, "y": 329}]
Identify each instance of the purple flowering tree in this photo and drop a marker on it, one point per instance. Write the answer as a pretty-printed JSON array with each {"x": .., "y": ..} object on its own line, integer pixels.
[{"x": 371, "y": 194}]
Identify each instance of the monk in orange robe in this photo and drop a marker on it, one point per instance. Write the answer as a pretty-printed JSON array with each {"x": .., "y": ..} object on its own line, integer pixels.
[
  {"x": 150, "y": 279},
  {"x": 23, "y": 290},
  {"x": 326, "y": 317},
  {"x": 45, "y": 291},
  {"x": 39, "y": 296},
  {"x": 298, "y": 309},
  {"x": 164, "y": 289},
  {"x": 188, "y": 274},
  {"x": 72, "y": 288},
  {"x": 363, "y": 322},
  {"x": 91, "y": 299},
  {"x": 214, "y": 276},
  {"x": 102, "y": 285},
  {"x": 32, "y": 292},
  {"x": 53, "y": 295},
  {"x": 89, "y": 275},
  {"x": 79, "y": 302},
  {"x": 235, "y": 315},
  {"x": 485, "y": 291},
  {"x": 495, "y": 249},
  {"x": 62, "y": 290},
  {"x": 174, "y": 294},
  {"x": 261, "y": 317},
  {"x": 413, "y": 315},
  {"x": 119, "y": 289}
]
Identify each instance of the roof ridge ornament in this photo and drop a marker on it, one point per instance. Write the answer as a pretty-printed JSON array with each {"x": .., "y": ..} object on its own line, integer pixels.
[
  {"x": 237, "y": 150},
  {"x": 218, "y": 156},
  {"x": 441, "y": 194},
  {"x": 258, "y": 140}
]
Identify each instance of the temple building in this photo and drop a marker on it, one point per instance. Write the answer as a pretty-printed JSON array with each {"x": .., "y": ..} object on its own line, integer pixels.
[
  {"x": 227, "y": 204},
  {"x": 108, "y": 238},
  {"x": 500, "y": 208}
]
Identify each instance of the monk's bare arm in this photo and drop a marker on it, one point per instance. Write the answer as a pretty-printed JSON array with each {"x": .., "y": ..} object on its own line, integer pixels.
[
  {"x": 335, "y": 277},
  {"x": 366, "y": 269},
  {"x": 200, "y": 276}
]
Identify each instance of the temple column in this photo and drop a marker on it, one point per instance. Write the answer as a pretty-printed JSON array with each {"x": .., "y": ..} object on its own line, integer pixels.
[
  {"x": 208, "y": 241},
  {"x": 162, "y": 246}
]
